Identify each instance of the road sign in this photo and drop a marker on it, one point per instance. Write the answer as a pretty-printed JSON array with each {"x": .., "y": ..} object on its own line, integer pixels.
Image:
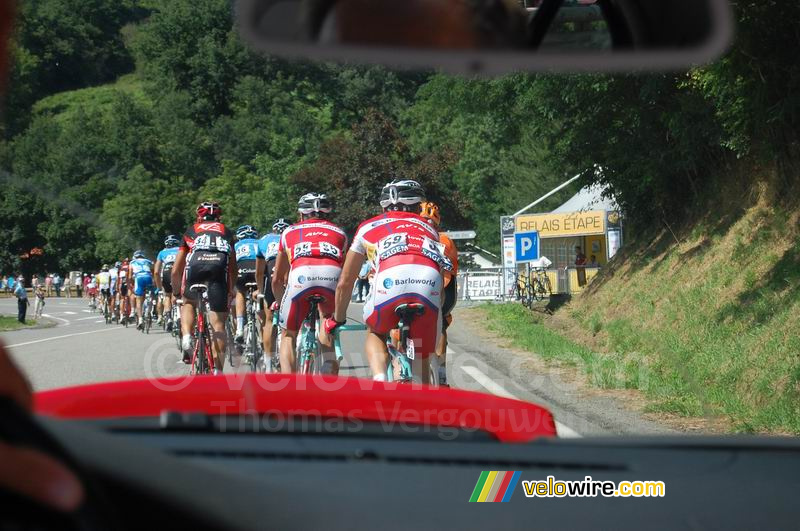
[
  {"x": 461, "y": 234},
  {"x": 526, "y": 246}
]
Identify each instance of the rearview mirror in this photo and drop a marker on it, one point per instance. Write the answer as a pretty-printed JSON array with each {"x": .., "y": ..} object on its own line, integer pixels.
[{"x": 493, "y": 36}]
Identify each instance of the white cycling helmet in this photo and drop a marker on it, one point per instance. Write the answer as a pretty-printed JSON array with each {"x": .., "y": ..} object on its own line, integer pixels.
[
  {"x": 314, "y": 203},
  {"x": 402, "y": 192}
]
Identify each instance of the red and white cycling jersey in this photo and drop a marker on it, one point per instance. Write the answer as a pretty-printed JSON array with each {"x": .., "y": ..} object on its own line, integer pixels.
[
  {"x": 399, "y": 233},
  {"x": 315, "y": 239},
  {"x": 407, "y": 257},
  {"x": 315, "y": 248}
]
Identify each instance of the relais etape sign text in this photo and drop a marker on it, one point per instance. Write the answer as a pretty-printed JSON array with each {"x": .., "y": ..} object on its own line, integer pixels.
[{"x": 562, "y": 225}]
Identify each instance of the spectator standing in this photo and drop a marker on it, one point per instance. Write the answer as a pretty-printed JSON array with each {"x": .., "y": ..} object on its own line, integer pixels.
[
  {"x": 86, "y": 281},
  {"x": 3, "y": 285},
  {"x": 22, "y": 299},
  {"x": 593, "y": 261},
  {"x": 57, "y": 284},
  {"x": 10, "y": 284},
  {"x": 363, "y": 281},
  {"x": 68, "y": 286},
  {"x": 38, "y": 307},
  {"x": 580, "y": 263},
  {"x": 48, "y": 282}
]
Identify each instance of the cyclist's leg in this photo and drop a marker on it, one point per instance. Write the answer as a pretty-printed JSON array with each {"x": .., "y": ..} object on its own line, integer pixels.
[
  {"x": 269, "y": 298},
  {"x": 218, "y": 336},
  {"x": 330, "y": 365},
  {"x": 288, "y": 346},
  {"x": 377, "y": 354},
  {"x": 240, "y": 307},
  {"x": 448, "y": 303}
]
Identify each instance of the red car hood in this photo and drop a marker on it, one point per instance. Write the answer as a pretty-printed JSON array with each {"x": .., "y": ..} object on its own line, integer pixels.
[{"x": 278, "y": 394}]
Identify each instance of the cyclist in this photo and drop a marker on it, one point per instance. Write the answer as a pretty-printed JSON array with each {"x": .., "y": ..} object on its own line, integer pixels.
[
  {"x": 268, "y": 246},
  {"x": 163, "y": 275},
  {"x": 248, "y": 254},
  {"x": 91, "y": 291},
  {"x": 113, "y": 272},
  {"x": 140, "y": 274},
  {"x": 406, "y": 255},
  {"x": 309, "y": 262},
  {"x": 104, "y": 283},
  {"x": 205, "y": 257},
  {"x": 430, "y": 211},
  {"x": 122, "y": 283}
]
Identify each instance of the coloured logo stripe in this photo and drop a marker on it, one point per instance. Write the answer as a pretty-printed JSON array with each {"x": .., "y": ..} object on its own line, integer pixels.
[{"x": 495, "y": 486}]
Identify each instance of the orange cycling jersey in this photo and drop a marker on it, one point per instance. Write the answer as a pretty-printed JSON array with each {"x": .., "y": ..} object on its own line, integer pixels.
[{"x": 451, "y": 252}]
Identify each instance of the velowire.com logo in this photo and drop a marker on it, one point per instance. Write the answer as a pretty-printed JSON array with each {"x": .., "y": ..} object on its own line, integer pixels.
[{"x": 495, "y": 486}]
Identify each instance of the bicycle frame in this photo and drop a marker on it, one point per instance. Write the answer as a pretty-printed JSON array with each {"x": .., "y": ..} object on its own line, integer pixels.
[
  {"x": 307, "y": 343},
  {"x": 406, "y": 353},
  {"x": 202, "y": 358},
  {"x": 337, "y": 344}
]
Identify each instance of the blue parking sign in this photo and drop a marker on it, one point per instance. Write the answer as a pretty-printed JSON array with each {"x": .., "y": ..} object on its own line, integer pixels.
[{"x": 526, "y": 246}]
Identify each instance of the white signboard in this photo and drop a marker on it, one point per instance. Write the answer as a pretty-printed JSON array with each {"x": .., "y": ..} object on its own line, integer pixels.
[{"x": 480, "y": 286}]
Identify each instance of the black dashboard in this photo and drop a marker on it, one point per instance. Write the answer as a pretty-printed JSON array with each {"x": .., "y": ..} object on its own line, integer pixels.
[{"x": 222, "y": 475}]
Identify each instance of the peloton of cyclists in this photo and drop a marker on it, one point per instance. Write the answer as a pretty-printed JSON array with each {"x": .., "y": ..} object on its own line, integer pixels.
[
  {"x": 309, "y": 263},
  {"x": 205, "y": 256}
]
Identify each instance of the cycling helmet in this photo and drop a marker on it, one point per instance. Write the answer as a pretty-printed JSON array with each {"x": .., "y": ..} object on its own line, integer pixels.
[
  {"x": 138, "y": 254},
  {"x": 402, "y": 193},
  {"x": 118, "y": 264},
  {"x": 246, "y": 231},
  {"x": 104, "y": 268},
  {"x": 314, "y": 203},
  {"x": 430, "y": 210},
  {"x": 280, "y": 226},
  {"x": 209, "y": 211},
  {"x": 172, "y": 241}
]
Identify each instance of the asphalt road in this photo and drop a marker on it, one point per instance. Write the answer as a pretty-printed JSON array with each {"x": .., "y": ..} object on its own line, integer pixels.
[{"x": 82, "y": 349}]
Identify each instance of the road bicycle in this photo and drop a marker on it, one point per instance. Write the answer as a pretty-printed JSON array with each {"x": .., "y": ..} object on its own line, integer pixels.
[
  {"x": 202, "y": 358},
  {"x": 253, "y": 352},
  {"x": 337, "y": 343},
  {"x": 147, "y": 312},
  {"x": 309, "y": 356},
  {"x": 175, "y": 315},
  {"x": 523, "y": 290},
  {"x": 402, "y": 355},
  {"x": 106, "y": 308}
]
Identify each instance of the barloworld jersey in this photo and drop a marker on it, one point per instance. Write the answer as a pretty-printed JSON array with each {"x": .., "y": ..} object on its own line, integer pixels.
[
  {"x": 314, "y": 241},
  {"x": 399, "y": 233}
]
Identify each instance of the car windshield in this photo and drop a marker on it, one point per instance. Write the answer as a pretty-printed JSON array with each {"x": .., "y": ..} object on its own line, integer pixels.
[{"x": 621, "y": 249}]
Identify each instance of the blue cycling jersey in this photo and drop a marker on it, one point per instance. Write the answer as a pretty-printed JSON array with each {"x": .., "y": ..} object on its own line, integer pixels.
[
  {"x": 141, "y": 267},
  {"x": 247, "y": 249},
  {"x": 167, "y": 256},
  {"x": 268, "y": 245}
]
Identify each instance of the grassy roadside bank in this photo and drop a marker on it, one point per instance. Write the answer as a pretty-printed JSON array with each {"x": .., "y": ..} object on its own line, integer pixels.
[
  {"x": 708, "y": 326},
  {"x": 7, "y": 323}
]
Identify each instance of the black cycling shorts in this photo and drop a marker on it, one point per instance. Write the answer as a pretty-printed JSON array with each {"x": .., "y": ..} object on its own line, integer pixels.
[
  {"x": 269, "y": 297},
  {"x": 246, "y": 274},
  {"x": 209, "y": 268},
  {"x": 449, "y": 302},
  {"x": 123, "y": 289},
  {"x": 166, "y": 280}
]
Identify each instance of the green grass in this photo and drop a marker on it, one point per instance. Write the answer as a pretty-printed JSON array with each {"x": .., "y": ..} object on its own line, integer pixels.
[
  {"x": 64, "y": 105},
  {"x": 526, "y": 330},
  {"x": 10, "y": 323},
  {"x": 710, "y": 327}
]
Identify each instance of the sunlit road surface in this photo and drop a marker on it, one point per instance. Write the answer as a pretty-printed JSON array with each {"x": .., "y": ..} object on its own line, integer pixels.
[{"x": 82, "y": 349}]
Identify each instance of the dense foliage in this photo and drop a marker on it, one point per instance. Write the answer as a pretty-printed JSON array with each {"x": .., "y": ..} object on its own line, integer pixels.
[{"x": 123, "y": 114}]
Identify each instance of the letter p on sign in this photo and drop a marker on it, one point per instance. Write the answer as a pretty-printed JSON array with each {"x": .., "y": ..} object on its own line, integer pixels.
[{"x": 526, "y": 246}]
